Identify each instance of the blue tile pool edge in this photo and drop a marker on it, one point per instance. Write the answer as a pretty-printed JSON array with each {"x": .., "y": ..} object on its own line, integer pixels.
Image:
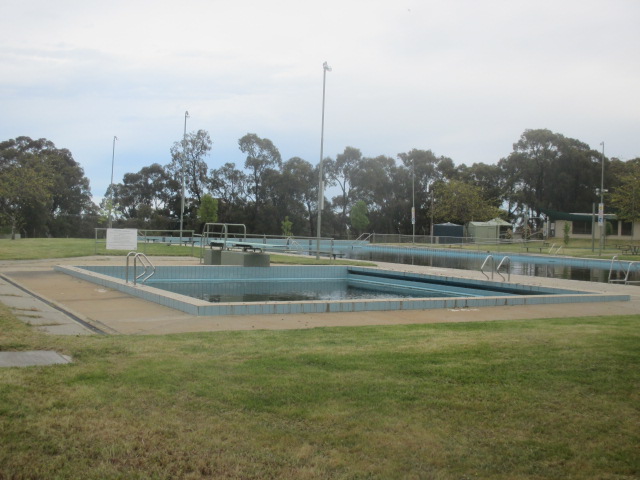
[{"x": 197, "y": 307}]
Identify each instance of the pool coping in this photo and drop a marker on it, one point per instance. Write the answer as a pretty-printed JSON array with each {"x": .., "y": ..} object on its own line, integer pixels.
[{"x": 197, "y": 307}]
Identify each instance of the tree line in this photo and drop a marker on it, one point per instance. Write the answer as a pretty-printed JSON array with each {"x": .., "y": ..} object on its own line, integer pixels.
[{"x": 43, "y": 191}]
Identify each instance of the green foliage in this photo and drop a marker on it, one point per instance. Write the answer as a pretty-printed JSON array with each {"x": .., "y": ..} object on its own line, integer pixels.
[
  {"x": 43, "y": 191},
  {"x": 41, "y": 187},
  {"x": 287, "y": 226},
  {"x": 188, "y": 157},
  {"x": 459, "y": 202},
  {"x": 608, "y": 228},
  {"x": 359, "y": 218},
  {"x": 549, "y": 171},
  {"x": 208, "y": 211},
  {"x": 625, "y": 199},
  {"x": 567, "y": 233}
]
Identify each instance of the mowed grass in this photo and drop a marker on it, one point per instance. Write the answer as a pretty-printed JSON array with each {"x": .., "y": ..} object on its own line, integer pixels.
[
  {"x": 495, "y": 400},
  {"x": 41, "y": 248}
]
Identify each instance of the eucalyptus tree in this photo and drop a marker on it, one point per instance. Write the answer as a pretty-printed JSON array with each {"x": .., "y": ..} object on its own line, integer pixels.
[
  {"x": 300, "y": 187},
  {"x": 549, "y": 171},
  {"x": 43, "y": 190},
  {"x": 342, "y": 172},
  {"x": 149, "y": 197},
  {"x": 229, "y": 185},
  {"x": 424, "y": 169},
  {"x": 460, "y": 202},
  {"x": 380, "y": 184},
  {"x": 261, "y": 156},
  {"x": 488, "y": 178},
  {"x": 188, "y": 157},
  {"x": 625, "y": 198}
]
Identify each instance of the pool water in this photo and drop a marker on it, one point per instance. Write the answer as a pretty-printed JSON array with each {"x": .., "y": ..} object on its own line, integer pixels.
[
  {"x": 216, "y": 292},
  {"x": 356, "y": 285},
  {"x": 231, "y": 290}
]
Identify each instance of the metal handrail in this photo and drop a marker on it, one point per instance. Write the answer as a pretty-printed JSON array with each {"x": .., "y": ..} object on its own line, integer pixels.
[
  {"x": 145, "y": 262},
  {"x": 293, "y": 245},
  {"x": 509, "y": 268},
  {"x": 363, "y": 238},
  {"x": 493, "y": 265},
  {"x": 621, "y": 269}
]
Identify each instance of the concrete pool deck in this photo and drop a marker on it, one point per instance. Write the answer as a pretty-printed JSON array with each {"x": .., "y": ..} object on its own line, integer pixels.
[{"x": 60, "y": 304}]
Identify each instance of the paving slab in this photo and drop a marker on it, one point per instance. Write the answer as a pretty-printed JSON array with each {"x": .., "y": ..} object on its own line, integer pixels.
[{"x": 32, "y": 358}]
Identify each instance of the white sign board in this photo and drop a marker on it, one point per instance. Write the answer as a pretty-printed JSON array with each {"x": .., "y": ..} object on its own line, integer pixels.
[{"x": 122, "y": 238}]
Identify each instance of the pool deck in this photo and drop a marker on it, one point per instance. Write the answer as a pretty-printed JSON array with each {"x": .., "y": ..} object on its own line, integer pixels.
[{"x": 63, "y": 305}]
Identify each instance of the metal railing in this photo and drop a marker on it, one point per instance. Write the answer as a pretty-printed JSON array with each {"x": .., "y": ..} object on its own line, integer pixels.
[
  {"x": 145, "y": 262},
  {"x": 493, "y": 265},
  {"x": 506, "y": 261},
  {"x": 621, "y": 270}
]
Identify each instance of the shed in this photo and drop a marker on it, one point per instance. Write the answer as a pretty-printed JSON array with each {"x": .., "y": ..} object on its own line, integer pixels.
[
  {"x": 448, "y": 232},
  {"x": 488, "y": 231}
]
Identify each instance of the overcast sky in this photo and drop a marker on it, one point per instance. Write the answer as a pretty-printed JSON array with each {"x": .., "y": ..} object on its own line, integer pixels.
[{"x": 463, "y": 78}]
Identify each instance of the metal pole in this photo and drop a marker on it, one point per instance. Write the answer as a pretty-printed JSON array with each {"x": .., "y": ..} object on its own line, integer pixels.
[
  {"x": 325, "y": 68},
  {"x": 413, "y": 198},
  {"x": 432, "y": 216},
  {"x": 184, "y": 147},
  {"x": 602, "y": 225},
  {"x": 113, "y": 157},
  {"x": 593, "y": 227}
]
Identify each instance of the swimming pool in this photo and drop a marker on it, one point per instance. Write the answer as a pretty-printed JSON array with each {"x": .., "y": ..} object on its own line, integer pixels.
[{"x": 459, "y": 293}]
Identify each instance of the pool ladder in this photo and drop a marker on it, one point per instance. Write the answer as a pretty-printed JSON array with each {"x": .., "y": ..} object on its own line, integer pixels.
[
  {"x": 621, "y": 269},
  {"x": 506, "y": 261},
  {"x": 145, "y": 262}
]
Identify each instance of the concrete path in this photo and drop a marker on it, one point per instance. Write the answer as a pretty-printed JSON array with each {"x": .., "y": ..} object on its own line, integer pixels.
[
  {"x": 35, "y": 310},
  {"x": 106, "y": 311},
  {"x": 32, "y": 358}
]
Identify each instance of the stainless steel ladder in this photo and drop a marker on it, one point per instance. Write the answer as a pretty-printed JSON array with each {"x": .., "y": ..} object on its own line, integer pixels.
[
  {"x": 496, "y": 270},
  {"x": 145, "y": 262},
  {"x": 621, "y": 269}
]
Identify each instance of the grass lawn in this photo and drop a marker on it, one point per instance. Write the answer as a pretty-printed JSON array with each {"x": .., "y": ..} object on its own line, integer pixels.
[
  {"x": 497, "y": 400},
  {"x": 40, "y": 248}
]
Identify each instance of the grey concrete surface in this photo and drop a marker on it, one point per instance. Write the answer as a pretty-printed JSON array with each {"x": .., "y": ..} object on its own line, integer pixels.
[
  {"x": 32, "y": 358},
  {"x": 112, "y": 312}
]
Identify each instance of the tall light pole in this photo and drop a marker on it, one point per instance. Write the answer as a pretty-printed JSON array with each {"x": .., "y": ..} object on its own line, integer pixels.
[
  {"x": 601, "y": 206},
  {"x": 413, "y": 198},
  {"x": 184, "y": 147},
  {"x": 113, "y": 157},
  {"x": 325, "y": 68}
]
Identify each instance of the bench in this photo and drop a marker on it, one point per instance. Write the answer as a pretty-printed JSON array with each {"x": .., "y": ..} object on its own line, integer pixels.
[
  {"x": 333, "y": 255},
  {"x": 629, "y": 249}
]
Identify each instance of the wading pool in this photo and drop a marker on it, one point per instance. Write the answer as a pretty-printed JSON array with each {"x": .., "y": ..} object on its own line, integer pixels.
[{"x": 230, "y": 290}]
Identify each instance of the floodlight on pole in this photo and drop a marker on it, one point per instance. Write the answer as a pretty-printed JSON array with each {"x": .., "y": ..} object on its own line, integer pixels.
[
  {"x": 113, "y": 157},
  {"x": 184, "y": 147},
  {"x": 325, "y": 68}
]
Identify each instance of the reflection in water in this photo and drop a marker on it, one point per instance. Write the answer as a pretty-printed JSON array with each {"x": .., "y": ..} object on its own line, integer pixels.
[{"x": 553, "y": 270}]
